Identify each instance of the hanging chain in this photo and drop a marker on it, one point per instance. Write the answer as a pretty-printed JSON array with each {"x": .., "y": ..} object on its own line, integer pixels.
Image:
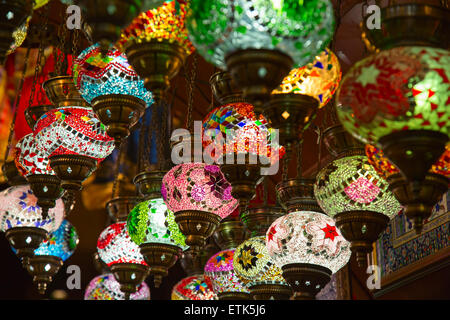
[
  {"x": 286, "y": 159},
  {"x": 62, "y": 33},
  {"x": 116, "y": 185},
  {"x": 265, "y": 191},
  {"x": 16, "y": 104},
  {"x": 153, "y": 135},
  {"x": 163, "y": 135},
  {"x": 75, "y": 45},
  {"x": 190, "y": 84},
  {"x": 142, "y": 141},
  {"x": 319, "y": 142},
  {"x": 299, "y": 159}
]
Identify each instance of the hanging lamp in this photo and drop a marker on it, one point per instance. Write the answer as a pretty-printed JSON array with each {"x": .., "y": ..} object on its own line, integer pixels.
[{"x": 106, "y": 287}]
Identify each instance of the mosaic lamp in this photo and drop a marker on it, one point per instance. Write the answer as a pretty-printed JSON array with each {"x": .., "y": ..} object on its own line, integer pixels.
[
  {"x": 50, "y": 255},
  {"x": 13, "y": 14},
  {"x": 417, "y": 206},
  {"x": 33, "y": 165},
  {"x": 112, "y": 87},
  {"x": 106, "y": 287},
  {"x": 196, "y": 287},
  {"x": 157, "y": 45},
  {"x": 259, "y": 42},
  {"x": 153, "y": 228},
  {"x": 107, "y": 18},
  {"x": 21, "y": 220},
  {"x": 74, "y": 140},
  {"x": 123, "y": 256},
  {"x": 19, "y": 36},
  {"x": 351, "y": 191},
  {"x": 199, "y": 195},
  {"x": 294, "y": 103},
  {"x": 398, "y": 100},
  {"x": 255, "y": 268},
  {"x": 244, "y": 144},
  {"x": 219, "y": 270},
  {"x": 309, "y": 248}
]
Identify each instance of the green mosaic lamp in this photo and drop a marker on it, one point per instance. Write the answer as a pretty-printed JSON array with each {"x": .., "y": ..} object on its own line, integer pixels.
[
  {"x": 399, "y": 101},
  {"x": 260, "y": 41},
  {"x": 152, "y": 226},
  {"x": 351, "y": 191}
]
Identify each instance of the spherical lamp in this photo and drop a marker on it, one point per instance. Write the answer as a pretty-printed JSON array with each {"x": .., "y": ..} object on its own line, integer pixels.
[
  {"x": 398, "y": 99},
  {"x": 219, "y": 270},
  {"x": 308, "y": 248},
  {"x": 21, "y": 220},
  {"x": 199, "y": 195},
  {"x": 157, "y": 45},
  {"x": 259, "y": 42},
  {"x": 123, "y": 256},
  {"x": 113, "y": 88},
  {"x": 196, "y": 287},
  {"x": 417, "y": 206},
  {"x": 106, "y": 287},
  {"x": 153, "y": 228},
  {"x": 255, "y": 268},
  {"x": 50, "y": 255}
]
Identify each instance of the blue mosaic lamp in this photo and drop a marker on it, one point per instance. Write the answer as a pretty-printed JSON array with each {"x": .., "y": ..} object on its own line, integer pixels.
[
  {"x": 113, "y": 88},
  {"x": 50, "y": 255}
]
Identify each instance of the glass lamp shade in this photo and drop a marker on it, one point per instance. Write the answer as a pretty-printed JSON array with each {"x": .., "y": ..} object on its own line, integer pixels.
[
  {"x": 151, "y": 222},
  {"x": 29, "y": 159},
  {"x": 219, "y": 270},
  {"x": 318, "y": 79},
  {"x": 106, "y": 287},
  {"x": 307, "y": 237},
  {"x": 352, "y": 184},
  {"x": 166, "y": 22},
  {"x": 299, "y": 29},
  {"x": 60, "y": 243},
  {"x": 385, "y": 168},
  {"x": 253, "y": 264},
  {"x": 72, "y": 130},
  {"x": 235, "y": 127},
  {"x": 98, "y": 75},
  {"x": 18, "y": 208},
  {"x": 115, "y": 246},
  {"x": 199, "y": 187},
  {"x": 194, "y": 288},
  {"x": 404, "y": 88}
]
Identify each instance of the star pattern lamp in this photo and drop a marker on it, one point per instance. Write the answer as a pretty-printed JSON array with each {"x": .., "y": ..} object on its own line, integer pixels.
[
  {"x": 219, "y": 270},
  {"x": 259, "y": 42},
  {"x": 398, "y": 99},
  {"x": 199, "y": 195},
  {"x": 123, "y": 256},
  {"x": 50, "y": 255},
  {"x": 113, "y": 88},
  {"x": 21, "y": 220},
  {"x": 417, "y": 206},
  {"x": 255, "y": 268},
  {"x": 153, "y": 228},
  {"x": 309, "y": 248},
  {"x": 33, "y": 165},
  {"x": 157, "y": 45},
  {"x": 196, "y": 287},
  {"x": 106, "y": 287}
]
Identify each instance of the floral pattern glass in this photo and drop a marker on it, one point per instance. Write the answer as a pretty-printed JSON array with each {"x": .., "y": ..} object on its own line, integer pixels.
[
  {"x": 60, "y": 243},
  {"x": 106, "y": 287},
  {"x": 307, "y": 237},
  {"x": 29, "y": 159},
  {"x": 194, "y": 288}
]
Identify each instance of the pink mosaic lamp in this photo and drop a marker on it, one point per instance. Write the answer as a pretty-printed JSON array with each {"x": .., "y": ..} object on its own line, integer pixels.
[
  {"x": 200, "y": 197},
  {"x": 123, "y": 256}
]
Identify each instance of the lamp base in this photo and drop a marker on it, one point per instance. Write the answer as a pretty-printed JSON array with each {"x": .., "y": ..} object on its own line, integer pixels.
[
  {"x": 130, "y": 276},
  {"x": 234, "y": 296},
  {"x": 43, "y": 269},
  {"x": 341, "y": 144},
  {"x": 259, "y": 219},
  {"x": 47, "y": 189},
  {"x": 306, "y": 279},
  {"x": 197, "y": 226},
  {"x": 361, "y": 228},
  {"x": 148, "y": 184},
  {"x": 270, "y": 291},
  {"x": 72, "y": 169},
  {"x": 418, "y": 206},
  {"x": 33, "y": 114},
  {"x": 119, "y": 113},
  {"x": 230, "y": 233},
  {"x": 225, "y": 89},
  {"x": 160, "y": 258},
  {"x": 291, "y": 114},
  {"x": 413, "y": 152},
  {"x": 119, "y": 208},
  {"x": 13, "y": 177},
  {"x": 258, "y": 72},
  {"x": 25, "y": 240},
  {"x": 297, "y": 195},
  {"x": 61, "y": 91},
  {"x": 157, "y": 62}
]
